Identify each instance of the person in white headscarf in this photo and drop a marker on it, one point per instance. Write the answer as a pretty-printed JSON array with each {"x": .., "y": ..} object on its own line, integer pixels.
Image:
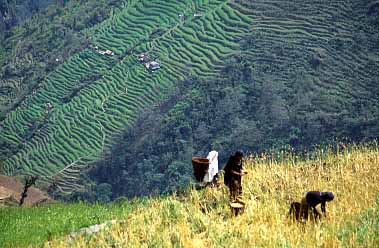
[{"x": 213, "y": 167}]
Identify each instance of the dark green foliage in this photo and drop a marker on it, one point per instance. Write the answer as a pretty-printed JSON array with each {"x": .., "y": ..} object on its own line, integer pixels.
[
  {"x": 103, "y": 192},
  {"x": 229, "y": 113},
  {"x": 84, "y": 117},
  {"x": 254, "y": 75},
  {"x": 36, "y": 46},
  {"x": 13, "y": 12},
  {"x": 293, "y": 88}
]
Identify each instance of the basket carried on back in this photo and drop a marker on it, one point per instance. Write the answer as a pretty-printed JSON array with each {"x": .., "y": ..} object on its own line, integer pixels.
[{"x": 200, "y": 167}]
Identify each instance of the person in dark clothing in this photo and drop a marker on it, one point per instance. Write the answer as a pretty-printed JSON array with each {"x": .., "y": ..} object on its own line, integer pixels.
[
  {"x": 300, "y": 211},
  {"x": 233, "y": 173},
  {"x": 294, "y": 212},
  {"x": 311, "y": 200}
]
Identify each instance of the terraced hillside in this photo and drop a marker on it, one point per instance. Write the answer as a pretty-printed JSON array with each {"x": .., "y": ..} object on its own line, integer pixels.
[
  {"x": 307, "y": 75},
  {"x": 77, "y": 109},
  {"x": 326, "y": 50},
  {"x": 31, "y": 47}
]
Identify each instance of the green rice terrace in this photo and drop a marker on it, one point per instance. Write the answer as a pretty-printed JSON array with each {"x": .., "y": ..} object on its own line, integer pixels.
[{"x": 70, "y": 120}]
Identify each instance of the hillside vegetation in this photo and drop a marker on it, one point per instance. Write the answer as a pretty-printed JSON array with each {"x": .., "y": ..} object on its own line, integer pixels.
[
  {"x": 24, "y": 227},
  {"x": 13, "y": 12},
  {"x": 33, "y": 46},
  {"x": 307, "y": 74},
  {"x": 94, "y": 96},
  {"x": 203, "y": 218},
  {"x": 234, "y": 75}
]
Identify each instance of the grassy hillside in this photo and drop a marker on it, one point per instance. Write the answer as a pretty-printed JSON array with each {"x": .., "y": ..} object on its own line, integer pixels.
[
  {"x": 95, "y": 96},
  {"x": 35, "y": 225},
  {"x": 250, "y": 74},
  {"x": 306, "y": 75},
  {"x": 203, "y": 218}
]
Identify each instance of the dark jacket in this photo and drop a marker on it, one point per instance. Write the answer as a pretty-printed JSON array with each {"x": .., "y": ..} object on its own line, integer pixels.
[
  {"x": 314, "y": 198},
  {"x": 234, "y": 163}
]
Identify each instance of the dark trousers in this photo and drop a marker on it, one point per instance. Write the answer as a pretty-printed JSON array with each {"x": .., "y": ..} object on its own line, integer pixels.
[{"x": 235, "y": 188}]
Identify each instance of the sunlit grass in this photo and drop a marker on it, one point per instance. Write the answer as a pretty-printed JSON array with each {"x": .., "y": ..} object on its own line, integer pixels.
[
  {"x": 35, "y": 225},
  {"x": 203, "y": 218}
]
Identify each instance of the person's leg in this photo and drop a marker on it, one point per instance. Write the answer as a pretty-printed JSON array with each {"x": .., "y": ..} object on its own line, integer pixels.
[
  {"x": 234, "y": 191},
  {"x": 239, "y": 188},
  {"x": 230, "y": 186},
  {"x": 294, "y": 213},
  {"x": 304, "y": 209}
]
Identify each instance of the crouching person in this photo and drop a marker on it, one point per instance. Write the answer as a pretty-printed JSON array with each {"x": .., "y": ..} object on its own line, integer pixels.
[{"x": 307, "y": 207}]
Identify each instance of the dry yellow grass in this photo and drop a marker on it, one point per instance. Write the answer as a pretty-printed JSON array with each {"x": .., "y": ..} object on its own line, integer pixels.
[{"x": 203, "y": 218}]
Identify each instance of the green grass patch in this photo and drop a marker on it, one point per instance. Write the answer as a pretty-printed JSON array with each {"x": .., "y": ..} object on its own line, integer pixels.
[
  {"x": 35, "y": 225},
  {"x": 363, "y": 230}
]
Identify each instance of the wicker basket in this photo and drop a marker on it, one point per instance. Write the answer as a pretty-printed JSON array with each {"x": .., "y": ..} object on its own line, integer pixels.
[
  {"x": 200, "y": 167},
  {"x": 237, "y": 207}
]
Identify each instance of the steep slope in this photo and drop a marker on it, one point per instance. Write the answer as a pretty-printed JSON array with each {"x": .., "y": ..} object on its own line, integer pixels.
[
  {"x": 85, "y": 102},
  {"x": 307, "y": 75},
  {"x": 204, "y": 219},
  {"x": 13, "y": 12},
  {"x": 297, "y": 73},
  {"x": 37, "y": 45},
  {"x": 327, "y": 50}
]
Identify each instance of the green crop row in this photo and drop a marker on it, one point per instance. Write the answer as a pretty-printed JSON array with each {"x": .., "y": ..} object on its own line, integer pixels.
[{"x": 81, "y": 127}]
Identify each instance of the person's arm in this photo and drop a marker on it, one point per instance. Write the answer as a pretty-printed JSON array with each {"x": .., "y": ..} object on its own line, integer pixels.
[
  {"x": 323, "y": 208},
  {"x": 238, "y": 173},
  {"x": 235, "y": 173}
]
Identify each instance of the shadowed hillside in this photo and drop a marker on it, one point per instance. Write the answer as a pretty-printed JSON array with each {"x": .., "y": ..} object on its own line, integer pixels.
[
  {"x": 33, "y": 46},
  {"x": 234, "y": 74},
  {"x": 306, "y": 75},
  {"x": 91, "y": 97}
]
